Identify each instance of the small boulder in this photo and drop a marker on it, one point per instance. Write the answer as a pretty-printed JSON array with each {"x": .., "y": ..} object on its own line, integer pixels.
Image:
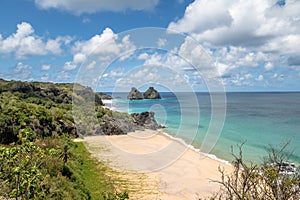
[
  {"x": 135, "y": 94},
  {"x": 151, "y": 93}
]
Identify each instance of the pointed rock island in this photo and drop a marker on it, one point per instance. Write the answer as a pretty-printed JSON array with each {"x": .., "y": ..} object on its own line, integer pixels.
[
  {"x": 135, "y": 94},
  {"x": 151, "y": 93}
]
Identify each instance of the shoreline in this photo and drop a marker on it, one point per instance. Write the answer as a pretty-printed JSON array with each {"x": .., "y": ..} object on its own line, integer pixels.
[
  {"x": 108, "y": 105},
  {"x": 190, "y": 146},
  {"x": 178, "y": 170}
]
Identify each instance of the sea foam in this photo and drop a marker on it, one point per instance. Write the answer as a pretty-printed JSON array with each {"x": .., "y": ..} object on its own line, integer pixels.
[{"x": 211, "y": 156}]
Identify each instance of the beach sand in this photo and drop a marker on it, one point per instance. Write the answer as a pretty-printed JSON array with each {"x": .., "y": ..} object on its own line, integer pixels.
[{"x": 156, "y": 166}]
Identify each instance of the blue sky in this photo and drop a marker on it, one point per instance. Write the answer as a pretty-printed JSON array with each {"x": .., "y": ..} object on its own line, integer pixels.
[{"x": 252, "y": 45}]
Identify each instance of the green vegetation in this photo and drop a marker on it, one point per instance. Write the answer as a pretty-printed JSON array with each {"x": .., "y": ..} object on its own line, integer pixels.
[
  {"x": 46, "y": 108},
  {"x": 269, "y": 181},
  {"x": 38, "y": 159},
  {"x": 52, "y": 168}
]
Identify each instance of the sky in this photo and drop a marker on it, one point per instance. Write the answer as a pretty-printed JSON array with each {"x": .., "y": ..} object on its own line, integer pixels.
[{"x": 235, "y": 45}]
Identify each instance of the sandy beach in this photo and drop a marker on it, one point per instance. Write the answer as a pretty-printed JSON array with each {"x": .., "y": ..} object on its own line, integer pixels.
[{"x": 157, "y": 166}]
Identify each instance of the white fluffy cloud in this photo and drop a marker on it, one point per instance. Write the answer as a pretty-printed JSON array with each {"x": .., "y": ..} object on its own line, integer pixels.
[
  {"x": 242, "y": 23},
  {"x": 45, "y": 67},
  {"x": 269, "y": 66},
  {"x": 161, "y": 42},
  {"x": 25, "y": 43},
  {"x": 105, "y": 45},
  {"x": 83, "y": 48},
  {"x": 202, "y": 15},
  {"x": 91, "y": 6},
  {"x": 69, "y": 66},
  {"x": 22, "y": 71},
  {"x": 244, "y": 35},
  {"x": 260, "y": 78},
  {"x": 149, "y": 75}
]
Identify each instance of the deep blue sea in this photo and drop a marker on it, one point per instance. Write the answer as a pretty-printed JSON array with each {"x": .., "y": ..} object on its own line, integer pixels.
[{"x": 257, "y": 119}]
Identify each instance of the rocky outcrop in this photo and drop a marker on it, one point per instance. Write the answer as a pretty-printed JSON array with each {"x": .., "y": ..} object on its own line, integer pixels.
[
  {"x": 135, "y": 94},
  {"x": 151, "y": 93},
  {"x": 113, "y": 125},
  {"x": 118, "y": 125},
  {"x": 104, "y": 96},
  {"x": 146, "y": 119}
]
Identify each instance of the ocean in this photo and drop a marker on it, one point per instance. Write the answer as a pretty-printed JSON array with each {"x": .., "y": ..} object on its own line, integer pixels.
[{"x": 257, "y": 120}]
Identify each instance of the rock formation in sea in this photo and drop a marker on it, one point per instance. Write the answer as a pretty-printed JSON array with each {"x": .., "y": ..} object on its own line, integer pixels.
[
  {"x": 151, "y": 93},
  {"x": 135, "y": 94}
]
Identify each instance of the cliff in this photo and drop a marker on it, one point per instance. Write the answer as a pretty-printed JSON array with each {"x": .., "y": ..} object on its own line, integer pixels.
[{"x": 47, "y": 109}]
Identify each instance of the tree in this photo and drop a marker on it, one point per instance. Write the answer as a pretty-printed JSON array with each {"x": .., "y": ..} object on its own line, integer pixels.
[
  {"x": 65, "y": 154},
  {"x": 20, "y": 175},
  {"x": 266, "y": 182}
]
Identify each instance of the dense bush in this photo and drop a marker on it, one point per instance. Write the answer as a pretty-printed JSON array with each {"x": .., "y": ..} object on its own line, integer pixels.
[
  {"x": 33, "y": 169},
  {"x": 52, "y": 168}
]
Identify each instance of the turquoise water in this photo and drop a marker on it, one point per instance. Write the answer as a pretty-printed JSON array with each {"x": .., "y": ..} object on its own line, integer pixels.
[{"x": 256, "y": 119}]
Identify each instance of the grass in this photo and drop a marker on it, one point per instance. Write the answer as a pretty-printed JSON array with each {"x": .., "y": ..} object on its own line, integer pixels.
[{"x": 91, "y": 172}]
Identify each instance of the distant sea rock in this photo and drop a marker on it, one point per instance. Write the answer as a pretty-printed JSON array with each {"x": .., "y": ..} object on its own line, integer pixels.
[
  {"x": 151, "y": 93},
  {"x": 135, "y": 94}
]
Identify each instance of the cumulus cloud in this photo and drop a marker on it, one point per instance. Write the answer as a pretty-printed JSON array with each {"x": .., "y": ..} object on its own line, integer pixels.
[
  {"x": 106, "y": 45},
  {"x": 45, "y": 77},
  {"x": 143, "y": 56},
  {"x": 45, "y": 67},
  {"x": 69, "y": 66},
  {"x": 202, "y": 15},
  {"x": 152, "y": 74},
  {"x": 25, "y": 43},
  {"x": 161, "y": 42},
  {"x": 260, "y": 78},
  {"x": 92, "y": 6},
  {"x": 91, "y": 65},
  {"x": 269, "y": 66},
  {"x": 22, "y": 71},
  {"x": 241, "y": 23},
  {"x": 244, "y": 35}
]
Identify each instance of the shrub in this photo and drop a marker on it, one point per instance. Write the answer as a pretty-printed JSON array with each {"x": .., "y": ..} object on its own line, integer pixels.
[{"x": 265, "y": 182}]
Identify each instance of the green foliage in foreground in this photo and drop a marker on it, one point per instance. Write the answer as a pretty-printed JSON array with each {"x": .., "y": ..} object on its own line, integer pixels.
[
  {"x": 52, "y": 168},
  {"x": 264, "y": 182},
  {"x": 38, "y": 160}
]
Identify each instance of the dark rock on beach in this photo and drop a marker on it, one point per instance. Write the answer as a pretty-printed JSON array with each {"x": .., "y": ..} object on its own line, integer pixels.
[
  {"x": 112, "y": 125},
  {"x": 146, "y": 119},
  {"x": 135, "y": 94},
  {"x": 118, "y": 125},
  {"x": 151, "y": 93}
]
